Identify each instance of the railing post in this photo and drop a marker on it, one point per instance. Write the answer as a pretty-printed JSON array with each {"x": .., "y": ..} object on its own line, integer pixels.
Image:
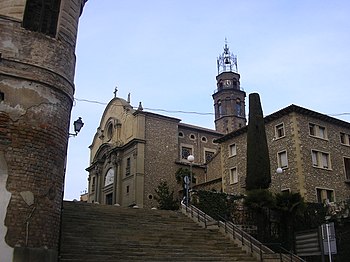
[
  {"x": 281, "y": 255},
  {"x": 280, "y": 251},
  {"x": 261, "y": 253},
  {"x": 251, "y": 244},
  {"x": 233, "y": 232}
]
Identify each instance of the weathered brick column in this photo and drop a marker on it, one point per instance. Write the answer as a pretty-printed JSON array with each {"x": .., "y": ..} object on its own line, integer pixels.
[{"x": 37, "y": 67}]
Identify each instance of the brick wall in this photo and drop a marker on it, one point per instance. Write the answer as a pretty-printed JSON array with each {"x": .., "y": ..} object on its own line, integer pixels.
[
  {"x": 36, "y": 79},
  {"x": 12, "y": 8},
  {"x": 36, "y": 161}
]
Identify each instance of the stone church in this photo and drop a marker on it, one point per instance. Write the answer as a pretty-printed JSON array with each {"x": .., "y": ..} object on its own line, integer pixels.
[{"x": 134, "y": 150}]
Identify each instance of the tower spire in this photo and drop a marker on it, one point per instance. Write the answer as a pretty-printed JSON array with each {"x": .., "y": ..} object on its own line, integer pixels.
[
  {"x": 229, "y": 99},
  {"x": 227, "y": 61}
]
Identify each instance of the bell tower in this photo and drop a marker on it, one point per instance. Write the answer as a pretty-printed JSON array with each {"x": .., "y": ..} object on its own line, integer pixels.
[{"x": 229, "y": 99}]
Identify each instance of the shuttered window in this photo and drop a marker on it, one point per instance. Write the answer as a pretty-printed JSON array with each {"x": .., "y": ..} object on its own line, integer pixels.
[{"x": 42, "y": 16}]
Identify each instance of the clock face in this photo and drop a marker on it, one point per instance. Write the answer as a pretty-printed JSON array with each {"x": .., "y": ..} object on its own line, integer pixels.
[{"x": 227, "y": 83}]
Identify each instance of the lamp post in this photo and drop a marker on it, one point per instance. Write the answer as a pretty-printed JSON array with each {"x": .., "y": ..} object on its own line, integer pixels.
[
  {"x": 190, "y": 159},
  {"x": 187, "y": 182},
  {"x": 279, "y": 171},
  {"x": 78, "y": 124}
]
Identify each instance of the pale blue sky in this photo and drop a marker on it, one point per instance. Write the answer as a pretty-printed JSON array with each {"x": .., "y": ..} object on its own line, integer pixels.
[{"x": 164, "y": 53}]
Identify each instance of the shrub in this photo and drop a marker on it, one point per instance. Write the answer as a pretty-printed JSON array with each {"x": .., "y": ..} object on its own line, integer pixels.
[{"x": 165, "y": 198}]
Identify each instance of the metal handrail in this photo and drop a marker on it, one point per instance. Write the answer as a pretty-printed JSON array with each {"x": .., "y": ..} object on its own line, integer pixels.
[
  {"x": 237, "y": 233},
  {"x": 199, "y": 215},
  {"x": 245, "y": 239},
  {"x": 290, "y": 255}
]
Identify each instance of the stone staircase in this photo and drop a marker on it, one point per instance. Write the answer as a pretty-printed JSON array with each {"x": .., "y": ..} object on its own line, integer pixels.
[{"x": 92, "y": 232}]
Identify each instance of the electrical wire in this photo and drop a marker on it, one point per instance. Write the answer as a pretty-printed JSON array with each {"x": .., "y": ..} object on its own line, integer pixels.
[
  {"x": 177, "y": 111},
  {"x": 147, "y": 108}
]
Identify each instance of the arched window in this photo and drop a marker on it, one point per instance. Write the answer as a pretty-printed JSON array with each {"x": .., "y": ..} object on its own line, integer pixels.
[
  {"x": 234, "y": 83},
  {"x": 109, "y": 178},
  {"x": 110, "y": 131},
  {"x": 220, "y": 108},
  {"x": 238, "y": 107}
]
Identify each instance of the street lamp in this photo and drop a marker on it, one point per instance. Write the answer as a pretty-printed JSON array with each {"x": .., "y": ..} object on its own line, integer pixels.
[
  {"x": 190, "y": 159},
  {"x": 78, "y": 124},
  {"x": 279, "y": 171},
  {"x": 187, "y": 182}
]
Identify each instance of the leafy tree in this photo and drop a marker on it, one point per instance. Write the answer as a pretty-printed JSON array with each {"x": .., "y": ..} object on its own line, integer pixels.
[
  {"x": 216, "y": 204},
  {"x": 259, "y": 202},
  {"x": 258, "y": 162},
  {"x": 291, "y": 207},
  {"x": 165, "y": 198},
  {"x": 181, "y": 173},
  {"x": 312, "y": 217},
  {"x": 290, "y": 203},
  {"x": 259, "y": 199}
]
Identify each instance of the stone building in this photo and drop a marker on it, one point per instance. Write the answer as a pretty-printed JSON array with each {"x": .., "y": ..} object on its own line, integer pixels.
[
  {"x": 37, "y": 65},
  {"x": 312, "y": 149},
  {"x": 133, "y": 150}
]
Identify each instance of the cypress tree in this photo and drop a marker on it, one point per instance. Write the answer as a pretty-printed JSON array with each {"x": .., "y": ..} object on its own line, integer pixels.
[{"x": 258, "y": 162}]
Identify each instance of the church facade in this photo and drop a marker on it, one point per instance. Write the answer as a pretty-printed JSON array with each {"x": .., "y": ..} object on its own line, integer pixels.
[{"x": 133, "y": 151}]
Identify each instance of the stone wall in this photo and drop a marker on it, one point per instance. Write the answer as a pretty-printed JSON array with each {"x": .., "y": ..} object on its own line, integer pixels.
[
  {"x": 334, "y": 177},
  {"x": 236, "y": 161},
  {"x": 299, "y": 175},
  {"x": 161, "y": 152},
  {"x": 212, "y": 177},
  {"x": 36, "y": 83}
]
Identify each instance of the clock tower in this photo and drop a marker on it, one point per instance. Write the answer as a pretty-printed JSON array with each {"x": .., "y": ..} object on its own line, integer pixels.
[{"x": 229, "y": 99}]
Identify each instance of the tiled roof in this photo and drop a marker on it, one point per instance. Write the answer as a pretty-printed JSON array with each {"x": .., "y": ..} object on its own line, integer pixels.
[{"x": 285, "y": 111}]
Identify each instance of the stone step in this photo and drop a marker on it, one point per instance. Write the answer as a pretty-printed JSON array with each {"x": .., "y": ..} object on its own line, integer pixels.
[{"x": 93, "y": 232}]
